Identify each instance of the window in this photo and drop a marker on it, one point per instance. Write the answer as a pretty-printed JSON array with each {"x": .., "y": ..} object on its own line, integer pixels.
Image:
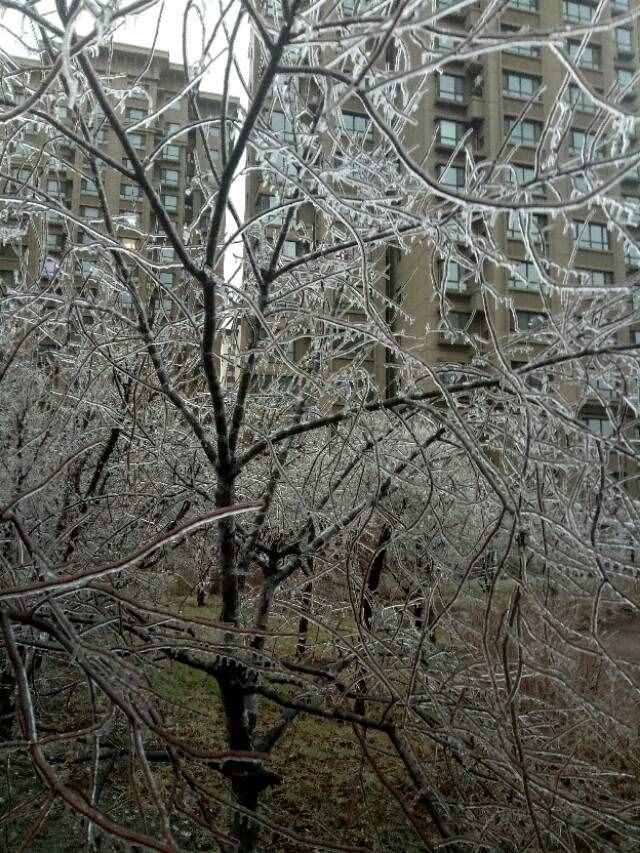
[
  {"x": 88, "y": 187},
  {"x": 528, "y": 321},
  {"x": 596, "y": 278},
  {"x": 524, "y": 276},
  {"x": 525, "y": 5},
  {"x": 601, "y": 426},
  {"x": 130, "y": 191},
  {"x": 622, "y": 5},
  {"x": 171, "y": 152},
  {"x": 451, "y": 88},
  {"x": 591, "y": 56},
  {"x": 282, "y": 126},
  {"x": 455, "y": 328},
  {"x": 23, "y": 176},
  {"x": 135, "y": 114},
  {"x": 166, "y": 254},
  {"x": 452, "y": 276},
  {"x": 358, "y": 126},
  {"x": 535, "y": 228},
  {"x": 450, "y": 132},
  {"x": 591, "y": 235},
  {"x": 170, "y": 177},
  {"x": 55, "y": 187},
  {"x": 516, "y": 85},
  {"x": 173, "y": 127},
  {"x": 532, "y": 50},
  {"x": 631, "y": 255},
  {"x": 624, "y": 77},
  {"x": 458, "y": 320},
  {"x": 579, "y": 99},
  {"x": 166, "y": 278},
  {"x": 605, "y": 386},
  {"x": 136, "y": 140},
  {"x": 267, "y": 202},
  {"x": 580, "y": 141},
  {"x": 89, "y": 212},
  {"x": 446, "y": 43},
  {"x": 170, "y": 202},
  {"x": 624, "y": 41},
  {"x": 577, "y": 13},
  {"x": 451, "y": 176},
  {"x": 87, "y": 268},
  {"x": 520, "y": 175},
  {"x": 55, "y": 242},
  {"x": 289, "y": 249},
  {"x": 522, "y": 131}
]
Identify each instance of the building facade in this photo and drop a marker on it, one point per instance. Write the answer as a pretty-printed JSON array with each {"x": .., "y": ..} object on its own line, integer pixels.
[
  {"x": 510, "y": 122},
  {"x": 45, "y": 167}
]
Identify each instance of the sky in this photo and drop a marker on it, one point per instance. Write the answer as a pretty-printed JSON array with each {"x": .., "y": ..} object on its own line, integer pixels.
[{"x": 140, "y": 30}]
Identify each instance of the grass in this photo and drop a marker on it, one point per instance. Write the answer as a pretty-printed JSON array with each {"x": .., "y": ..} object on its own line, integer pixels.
[{"x": 328, "y": 792}]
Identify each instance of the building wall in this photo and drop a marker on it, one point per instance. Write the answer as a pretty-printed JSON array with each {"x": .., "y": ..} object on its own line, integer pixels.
[
  {"x": 483, "y": 110},
  {"x": 178, "y": 160}
]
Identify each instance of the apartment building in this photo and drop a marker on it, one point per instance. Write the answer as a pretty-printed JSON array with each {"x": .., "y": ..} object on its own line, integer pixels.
[
  {"x": 48, "y": 168},
  {"x": 493, "y": 108},
  {"x": 499, "y": 103}
]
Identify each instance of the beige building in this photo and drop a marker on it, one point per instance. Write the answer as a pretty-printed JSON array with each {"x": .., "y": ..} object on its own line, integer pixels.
[
  {"x": 180, "y": 170},
  {"x": 490, "y": 102},
  {"x": 485, "y": 99}
]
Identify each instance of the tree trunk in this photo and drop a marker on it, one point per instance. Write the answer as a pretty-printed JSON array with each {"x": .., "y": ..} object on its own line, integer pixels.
[
  {"x": 372, "y": 583},
  {"x": 7, "y": 702},
  {"x": 303, "y": 624}
]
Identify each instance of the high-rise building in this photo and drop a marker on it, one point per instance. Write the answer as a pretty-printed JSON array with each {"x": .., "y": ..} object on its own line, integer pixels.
[
  {"x": 47, "y": 168},
  {"x": 509, "y": 124},
  {"x": 519, "y": 112}
]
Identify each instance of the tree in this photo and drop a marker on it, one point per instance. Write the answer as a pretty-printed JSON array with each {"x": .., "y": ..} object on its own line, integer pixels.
[{"x": 432, "y": 557}]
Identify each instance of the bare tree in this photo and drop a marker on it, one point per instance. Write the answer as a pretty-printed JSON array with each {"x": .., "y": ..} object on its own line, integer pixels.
[{"x": 438, "y": 559}]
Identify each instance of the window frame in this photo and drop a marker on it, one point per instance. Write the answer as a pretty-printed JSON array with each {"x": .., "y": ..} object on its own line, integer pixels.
[
  {"x": 365, "y": 134},
  {"x": 140, "y": 114},
  {"x": 589, "y": 228},
  {"x": 137, "y": 140},
  {"x": 624, "y": 49},
  {"x": 457, "y": 92},
  {"x": 520, "y": 76},
  {"x": 578, "y": 18},
  {"x": 460, "y": 128},
  {"x": 513, "y": 127},
  {"x": 530, "y": 283},
  {"x": 592, "y": 50},
  {"x": 459, "y": 171}
]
